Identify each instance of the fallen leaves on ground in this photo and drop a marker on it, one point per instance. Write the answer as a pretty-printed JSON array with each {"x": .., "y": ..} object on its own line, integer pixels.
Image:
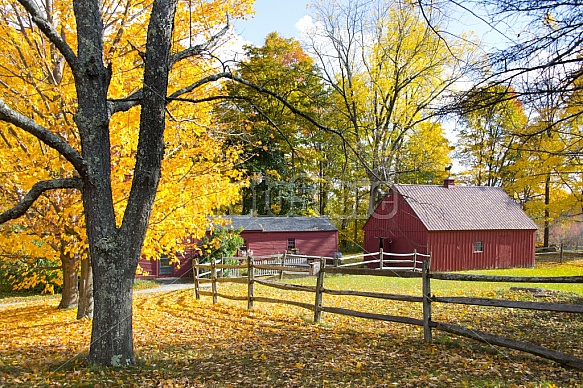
[{"x": 182, "y": 342}]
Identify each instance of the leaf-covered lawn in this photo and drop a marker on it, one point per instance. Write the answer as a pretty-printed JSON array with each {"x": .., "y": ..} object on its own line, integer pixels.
[{"x": 183, "y": 342}]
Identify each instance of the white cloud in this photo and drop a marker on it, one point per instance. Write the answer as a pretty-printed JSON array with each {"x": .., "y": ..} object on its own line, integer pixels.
[
  {"x": 305, "y": 25},
  {"x": 232, "y": 48}
]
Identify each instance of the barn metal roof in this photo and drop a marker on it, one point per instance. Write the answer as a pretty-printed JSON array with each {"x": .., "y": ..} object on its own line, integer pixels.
[
  {"x": 281, "y": 224},
  {"x": 464, "y": 207}
]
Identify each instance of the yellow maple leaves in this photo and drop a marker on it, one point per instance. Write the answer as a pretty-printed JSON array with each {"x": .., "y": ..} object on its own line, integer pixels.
[
  {"x": 181, "y": 341},
  {"x": 198, "y": 172}
]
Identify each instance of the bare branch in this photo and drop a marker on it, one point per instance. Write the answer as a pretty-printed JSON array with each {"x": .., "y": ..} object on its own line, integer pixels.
[
  {"x": 199, "y": 48},
  {"x": 228, "y": 75},
  {"x": 300, "y": 113},
  {"x": 9, "y": 115},
  {"x": 199, "y": 83},
  {"x": 50, "y": 32},
  {"x": 37, "y": 190},
  {"x": 123, "y": 105}
]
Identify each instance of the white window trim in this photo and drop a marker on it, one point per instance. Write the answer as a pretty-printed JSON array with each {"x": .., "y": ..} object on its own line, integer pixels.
[{"x": 481, "y": 247}]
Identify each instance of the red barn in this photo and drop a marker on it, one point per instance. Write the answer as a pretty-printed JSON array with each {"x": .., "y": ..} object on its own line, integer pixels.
[
  {"x": 312, "y": 236},
  {"x": 463, "y": 227},
  {"x": 162, "y": 268}
]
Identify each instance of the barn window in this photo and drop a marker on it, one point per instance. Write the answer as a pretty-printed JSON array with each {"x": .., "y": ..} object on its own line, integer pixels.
[
  {"x": 166, "y": 267},
  {"x": 478, "y": 246},
  {"x": 291, "y": 244}
]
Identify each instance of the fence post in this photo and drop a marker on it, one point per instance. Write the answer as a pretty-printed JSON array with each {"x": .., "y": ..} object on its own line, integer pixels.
[
  {"x": 381, "y": 258},
  {"x": 319, "y": 287},
  {"x": 214, "y": 279},
  {"x": 250, "y": 282},
  {"x": 414, "y": 259},
  {"x": 426, "y": 300},
  {"x": 561, "y": 254},
  {"x": 196, "y": 282},
  {"x": 282, "y": 265}
]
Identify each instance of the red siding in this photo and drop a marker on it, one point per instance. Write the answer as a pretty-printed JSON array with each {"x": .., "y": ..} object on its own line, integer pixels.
[
  {"x": 149, "y": 266},
  {"x": 314, "y": 243},
  {"x": 451, "y": 250},
  {"x": 454, "y": 250},
  {"x": 395, "y": 221},
  {"x": 152, "y": 267}
]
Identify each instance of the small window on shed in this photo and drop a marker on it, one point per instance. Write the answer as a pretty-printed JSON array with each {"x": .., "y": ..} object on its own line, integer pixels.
[
  {"x": 291, "y": 244},
  {"x": 166, "y": 268},
  {"x": 478, "y": 246}
]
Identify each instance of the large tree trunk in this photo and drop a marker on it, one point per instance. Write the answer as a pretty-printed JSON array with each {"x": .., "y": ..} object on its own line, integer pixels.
[
  {"x": 70, "y": 294},
  {"x": 374, "y": 196},
  {"x": 114, "y": 251},
  {"x": 112, "y": 334},
  {"x": 85, "y": 307},
  {"x": 92, "y": 118}
]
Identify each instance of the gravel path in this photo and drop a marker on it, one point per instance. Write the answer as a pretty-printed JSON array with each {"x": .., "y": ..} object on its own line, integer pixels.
[{"x": 167, "y": 285}]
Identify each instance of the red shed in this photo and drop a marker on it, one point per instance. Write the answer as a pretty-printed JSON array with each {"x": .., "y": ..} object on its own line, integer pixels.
[
  {"x": 312, "y": 236},
  {"x": 463, "y": 227},
  {"x": 162, "y": 268}
]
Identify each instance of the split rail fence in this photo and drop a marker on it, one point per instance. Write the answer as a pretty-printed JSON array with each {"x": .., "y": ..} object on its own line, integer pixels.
[{"x": 258, "y": 268}]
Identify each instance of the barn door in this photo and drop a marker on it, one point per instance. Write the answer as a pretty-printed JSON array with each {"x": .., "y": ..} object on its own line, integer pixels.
[
  {"x": 385, "y": 243},
  {"x": 504, "y": 251}
]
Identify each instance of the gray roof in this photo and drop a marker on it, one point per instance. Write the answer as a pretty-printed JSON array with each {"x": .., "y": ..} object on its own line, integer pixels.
[
  {"x": 281, "y": 224},
  {"x": 464, "y": 208}
]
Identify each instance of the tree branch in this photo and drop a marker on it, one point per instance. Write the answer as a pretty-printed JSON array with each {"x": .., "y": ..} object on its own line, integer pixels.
[
  {"x": 228, "y": 75},
  {"x": 199, "y": 83},
  {"x": 123, "y": 105},
  {"x": 50, "y": 32},
  {"x": 36, "y": 191},
  {"x": 302, "y": 114},
  {"x": 199, "y": 48},
  {"x": 9, "y": 115}
]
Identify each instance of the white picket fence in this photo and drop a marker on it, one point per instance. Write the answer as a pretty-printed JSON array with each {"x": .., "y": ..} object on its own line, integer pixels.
[
  {"x": 395, "y": 261},
  {"x": 391, "y": 261}
]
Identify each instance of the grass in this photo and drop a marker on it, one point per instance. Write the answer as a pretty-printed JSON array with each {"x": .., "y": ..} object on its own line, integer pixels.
[
  {"x": 180, "y": 341},
  {"x": 543, "y": 269},
  {"x": 408, "y": 286},
  {"x": 145, "y": 284}
]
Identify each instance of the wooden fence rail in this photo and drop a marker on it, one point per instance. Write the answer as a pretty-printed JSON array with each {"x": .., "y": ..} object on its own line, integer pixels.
[{"x": 320, "y": 268}]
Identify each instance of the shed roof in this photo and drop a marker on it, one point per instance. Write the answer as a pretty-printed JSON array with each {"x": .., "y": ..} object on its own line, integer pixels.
[
  {"x": 464, "y": 208},
  {"x": 281, "y": 224}
]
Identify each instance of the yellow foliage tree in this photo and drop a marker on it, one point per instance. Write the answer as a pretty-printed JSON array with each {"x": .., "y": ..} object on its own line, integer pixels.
[
  {"x": 388, "y": 70},
  {"x": 51, "y": 235},
  {"x": 199, "y": 178},
  {"x": 86, "y": 107}
]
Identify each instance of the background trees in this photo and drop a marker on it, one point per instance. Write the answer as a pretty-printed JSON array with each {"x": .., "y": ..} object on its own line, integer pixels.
[
  {"x": 387, "y": 70},
  {"x": 489, "y": 138},
  {"x": 279, "y": 148},
  {"x": 537, "y": 63},
  {"x": 368, "y": 92}
]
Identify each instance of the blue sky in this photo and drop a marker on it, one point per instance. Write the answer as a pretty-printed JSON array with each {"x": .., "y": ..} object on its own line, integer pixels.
[
  {"x": 282, "y": 16},
  {"x": 272, "y": 15}
]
